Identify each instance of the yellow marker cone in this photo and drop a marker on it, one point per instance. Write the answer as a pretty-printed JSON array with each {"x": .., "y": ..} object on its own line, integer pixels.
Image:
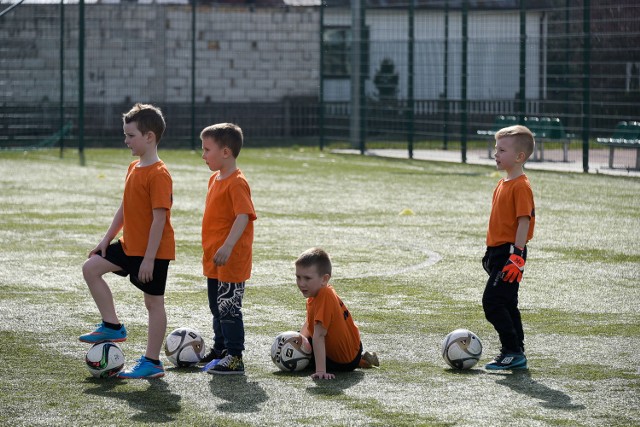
[{"x": 406, "y": 212}]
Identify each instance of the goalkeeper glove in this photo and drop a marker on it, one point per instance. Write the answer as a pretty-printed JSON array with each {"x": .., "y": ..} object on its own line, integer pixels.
[{"x": 513, "y": 269}]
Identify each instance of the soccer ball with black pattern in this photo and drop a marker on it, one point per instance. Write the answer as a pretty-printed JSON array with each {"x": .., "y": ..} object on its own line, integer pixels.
[
  {"x": 184, "y": 347},
  {"x": 105, "y": 359},
  {"x": 291, "y": 351},
  {"x": 461, "y": 349}
]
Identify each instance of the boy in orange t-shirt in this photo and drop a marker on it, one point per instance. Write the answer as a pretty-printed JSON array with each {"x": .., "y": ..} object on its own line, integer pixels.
[
  {"x": 511, "y": 226},
  {"x": 334, "y": 336},
  {"x": 227, "y": 239},
  {"x": 147, "y": 243}
]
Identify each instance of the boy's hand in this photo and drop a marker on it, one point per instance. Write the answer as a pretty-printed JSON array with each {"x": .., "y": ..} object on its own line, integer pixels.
[
  {"x": 323, "y": 376},
  {"x": 145, "y": 274},
  {"x": 222, "y": 255},
  {"x": 514, "y": 267},
  {"x": 101, "y": 249}
]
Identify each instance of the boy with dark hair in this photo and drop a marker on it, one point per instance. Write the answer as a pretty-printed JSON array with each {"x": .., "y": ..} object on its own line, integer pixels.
[
  {"x": 147, "y": 243},
  {"x": 334, "y": 336},
  {"x": 511, "y": 226},
  {"x": 227, "y": 239}
]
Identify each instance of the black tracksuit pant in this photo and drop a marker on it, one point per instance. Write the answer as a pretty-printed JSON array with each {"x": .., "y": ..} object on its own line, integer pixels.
[{"x": 500, "y": 300}]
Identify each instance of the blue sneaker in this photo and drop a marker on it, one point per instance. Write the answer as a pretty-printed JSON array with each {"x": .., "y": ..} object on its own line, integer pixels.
[
  {"x": 144, "y": 368},
  {"x": 102, "y": 333},
  {"x": 505, "y": 361}
]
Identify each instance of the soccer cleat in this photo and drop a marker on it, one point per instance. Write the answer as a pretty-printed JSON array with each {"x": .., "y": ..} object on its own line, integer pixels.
[
  {"x": 102, "y": 333},
  {"x": 229, "y": 365},
  {"x": 144, "y": 368},
  {"x": 505, "y": 361},
  {"x": 369, "y": 360},
  {"x": 210, "y": 357}
]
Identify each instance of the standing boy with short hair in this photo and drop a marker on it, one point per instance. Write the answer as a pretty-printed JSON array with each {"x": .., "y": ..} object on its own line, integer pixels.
[
  {"x": 227, "y": 239},
  {"x": 330, "y": 328},
  {"x": 147, "y": 243},
  {"x": 511, "y": 226}
]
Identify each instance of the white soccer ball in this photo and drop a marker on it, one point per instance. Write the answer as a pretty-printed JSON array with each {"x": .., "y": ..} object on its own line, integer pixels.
[
  {"x": 291, "y": 351},
  {"x": 184, "y": 347},
  {"x": 461, "y": 349},
  {"x": 104, "y": 359}
]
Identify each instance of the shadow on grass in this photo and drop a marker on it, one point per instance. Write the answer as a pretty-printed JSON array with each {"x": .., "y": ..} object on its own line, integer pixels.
[
  {"x": 239, "y": 394},
  {"x": 156, "y": 403},
  {"x": 521, "y": 382},
  {"x": 336, "y": 386}
]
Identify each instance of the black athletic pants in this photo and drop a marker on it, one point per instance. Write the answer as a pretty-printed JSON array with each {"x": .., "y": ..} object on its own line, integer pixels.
[{"x": 500, "y": 300}]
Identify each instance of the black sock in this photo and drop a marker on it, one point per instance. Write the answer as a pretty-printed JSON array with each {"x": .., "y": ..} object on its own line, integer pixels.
[
  {"x": 112, "y": 325},
  {"x": 154, "y": 361}
]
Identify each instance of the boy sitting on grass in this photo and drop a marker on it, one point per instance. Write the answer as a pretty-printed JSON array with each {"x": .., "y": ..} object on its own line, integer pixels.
[{"x": 329, "y": 326}]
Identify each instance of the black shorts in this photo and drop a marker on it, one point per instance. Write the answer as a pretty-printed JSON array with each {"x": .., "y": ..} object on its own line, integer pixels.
[
  {"x": 130, "y": 266},
  {"x": 332, "y": 366}
]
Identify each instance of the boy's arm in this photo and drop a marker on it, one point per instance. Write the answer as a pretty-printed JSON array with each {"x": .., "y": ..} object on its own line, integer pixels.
[
  {"x": 155, "y": 235},
  {"x": 514, "y": 267},
  {"x": 304, "y": 330},
  {"x": 320, "y": 354},
  {"x": 222, "y": 254},
  {"x": 112, "y": 232},
  {"x": 523, "y": 230}
]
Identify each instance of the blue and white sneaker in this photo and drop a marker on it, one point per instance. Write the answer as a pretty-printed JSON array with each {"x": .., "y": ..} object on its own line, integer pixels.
[
  {"x": 213, "y": 356},
  {"x": 505, "y": 361},
  {"x": 144, "y": 368},
  {"x": 102, "y": 333},
  {"x": 229, "y": 365}
]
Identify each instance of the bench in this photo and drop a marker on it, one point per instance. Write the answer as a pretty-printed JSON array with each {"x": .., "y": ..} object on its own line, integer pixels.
[
  {"x": 543, "y": 129},
  {"x": 625, "y": 135}
]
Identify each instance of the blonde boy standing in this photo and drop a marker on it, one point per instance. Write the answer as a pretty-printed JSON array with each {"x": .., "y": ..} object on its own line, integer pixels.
[{"x": 511, "y": 226}]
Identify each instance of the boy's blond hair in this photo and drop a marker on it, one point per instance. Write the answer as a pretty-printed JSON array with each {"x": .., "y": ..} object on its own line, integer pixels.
[
  {"x": 148, "y": 118},
  {"x": 523, "y": 138},
  {"x": 225, "y": 135},
  {"x": 317, "y": 257}
]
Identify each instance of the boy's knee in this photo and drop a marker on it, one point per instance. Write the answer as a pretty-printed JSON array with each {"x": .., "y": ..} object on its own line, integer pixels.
[
  {"x": 89, "y": 268},
  {"x": 154, "y": 302}
]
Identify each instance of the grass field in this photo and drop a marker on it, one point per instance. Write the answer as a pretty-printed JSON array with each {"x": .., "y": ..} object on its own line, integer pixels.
[{"x": 408, "y": 281}]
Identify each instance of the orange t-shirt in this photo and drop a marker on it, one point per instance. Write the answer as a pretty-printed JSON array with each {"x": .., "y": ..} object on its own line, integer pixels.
[
  {"x": 226, "y": 199},
  {"x": 342, "y": 342},
  {"x": 145, "y": 189},
  {"x": 511, "y": 199}
]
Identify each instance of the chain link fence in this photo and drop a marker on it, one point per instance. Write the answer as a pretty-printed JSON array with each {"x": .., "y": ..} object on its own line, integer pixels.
[{"x": 438, "y": 75}]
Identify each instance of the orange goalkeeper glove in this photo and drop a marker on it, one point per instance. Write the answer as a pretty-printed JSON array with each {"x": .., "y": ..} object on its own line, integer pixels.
[{"x": 513, "y": 269}]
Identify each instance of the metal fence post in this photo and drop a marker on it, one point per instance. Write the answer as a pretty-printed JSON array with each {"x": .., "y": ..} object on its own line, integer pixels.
[
  {"x": 465, "y": 45},
  {"x": 410, "y": 78},
  {"x": 321, "y": 75},
  {"x": 81, "y": 81},
  {"x": 61, "y": 78},
  {"x": 193, "y": 74},
  {"x": 586, "y": 80}
]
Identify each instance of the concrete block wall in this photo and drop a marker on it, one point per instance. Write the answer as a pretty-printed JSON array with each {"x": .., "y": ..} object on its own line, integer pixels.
[{"x": 143, "y": 52}]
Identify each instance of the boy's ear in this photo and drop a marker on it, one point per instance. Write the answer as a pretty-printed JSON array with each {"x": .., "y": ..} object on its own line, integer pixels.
[
  {"x": 325, "y": 278},
  {"x": 151, "y": 137}
]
